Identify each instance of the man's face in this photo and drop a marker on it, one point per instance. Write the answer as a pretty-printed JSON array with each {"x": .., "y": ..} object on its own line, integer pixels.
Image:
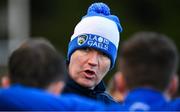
[{"x": 87, "y": 67}]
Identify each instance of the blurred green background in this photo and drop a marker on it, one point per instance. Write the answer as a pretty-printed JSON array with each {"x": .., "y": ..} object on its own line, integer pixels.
[{"x": 56, "y": 19}]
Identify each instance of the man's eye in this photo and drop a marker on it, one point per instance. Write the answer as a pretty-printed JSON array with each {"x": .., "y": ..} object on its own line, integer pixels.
[{"x": 104, "y": 54}]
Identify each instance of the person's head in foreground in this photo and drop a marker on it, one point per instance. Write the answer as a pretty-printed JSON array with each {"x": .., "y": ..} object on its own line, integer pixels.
[
  {"x": 36, "y": 63},
  {"x": 148, "y": 64},
  {"x": 149, "y": 59}
]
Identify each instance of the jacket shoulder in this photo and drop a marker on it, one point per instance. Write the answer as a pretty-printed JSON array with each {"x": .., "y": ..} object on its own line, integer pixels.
[{"x": 106, "y": 98}]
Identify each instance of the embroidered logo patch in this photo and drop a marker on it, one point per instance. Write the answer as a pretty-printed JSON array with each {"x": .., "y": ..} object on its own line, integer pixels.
[{"x": 82, "y": 39}]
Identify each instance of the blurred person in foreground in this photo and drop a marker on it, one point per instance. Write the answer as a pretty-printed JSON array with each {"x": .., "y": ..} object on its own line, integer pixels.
[
  {"x": 92, "y": 52},
  {"x": 35, "y": 80},
  {"x": 149, "y": 62}
]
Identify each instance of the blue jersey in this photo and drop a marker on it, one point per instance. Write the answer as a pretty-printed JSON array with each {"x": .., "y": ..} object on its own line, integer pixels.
[
  {"x": 22, "y": 98},
  {"x": 175, "y": 104},
  {"x": 143, "y": 99}
]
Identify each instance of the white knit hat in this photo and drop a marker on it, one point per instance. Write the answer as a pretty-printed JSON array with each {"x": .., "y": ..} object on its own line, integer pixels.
[{"x": 99, "y": 30}]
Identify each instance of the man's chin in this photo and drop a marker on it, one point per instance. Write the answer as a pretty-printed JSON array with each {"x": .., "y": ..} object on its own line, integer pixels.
[{"x": 86, "y": 85}]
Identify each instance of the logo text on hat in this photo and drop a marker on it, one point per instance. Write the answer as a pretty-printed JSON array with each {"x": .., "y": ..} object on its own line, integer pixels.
[{"x": 98, "y": 41}]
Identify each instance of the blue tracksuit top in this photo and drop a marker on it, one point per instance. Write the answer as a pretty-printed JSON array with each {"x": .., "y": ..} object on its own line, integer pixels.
[
  {"x": 20, "y": 98},
  {"x": 145, "y": 99}
]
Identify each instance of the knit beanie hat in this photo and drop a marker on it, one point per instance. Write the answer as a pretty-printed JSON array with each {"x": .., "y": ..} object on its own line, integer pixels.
[{"x": 99, "y": 30}]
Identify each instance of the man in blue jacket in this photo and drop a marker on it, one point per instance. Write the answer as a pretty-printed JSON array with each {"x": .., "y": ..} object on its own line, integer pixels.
[
  {"x": 148, "y": 62},
  {"x": 92, "y": 52},
  {"x": 36, "y": 75}
]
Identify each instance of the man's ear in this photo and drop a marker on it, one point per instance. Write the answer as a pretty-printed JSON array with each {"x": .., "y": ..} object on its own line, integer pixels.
[
  {"x": 173, "y": 86},
  {"x": 120, "y": 87},
  {"x": 120, "y": 82},
  {"x": 56, "y": 87},
  {"x": 5, "y": 81}
]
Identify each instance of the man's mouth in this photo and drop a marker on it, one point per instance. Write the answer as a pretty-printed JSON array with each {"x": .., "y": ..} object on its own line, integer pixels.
[{"x": 89, "y": 74}]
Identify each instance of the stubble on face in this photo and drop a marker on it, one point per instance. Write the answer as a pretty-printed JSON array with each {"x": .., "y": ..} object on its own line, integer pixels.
[{"x": 85, "y": 74}]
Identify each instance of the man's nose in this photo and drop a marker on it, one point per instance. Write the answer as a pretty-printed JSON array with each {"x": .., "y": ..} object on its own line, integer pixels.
[{"x": 93, "y": 59}]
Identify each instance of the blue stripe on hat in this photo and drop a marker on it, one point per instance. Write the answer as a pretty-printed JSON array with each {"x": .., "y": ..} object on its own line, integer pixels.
[{"x": 93, "y": 41}]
